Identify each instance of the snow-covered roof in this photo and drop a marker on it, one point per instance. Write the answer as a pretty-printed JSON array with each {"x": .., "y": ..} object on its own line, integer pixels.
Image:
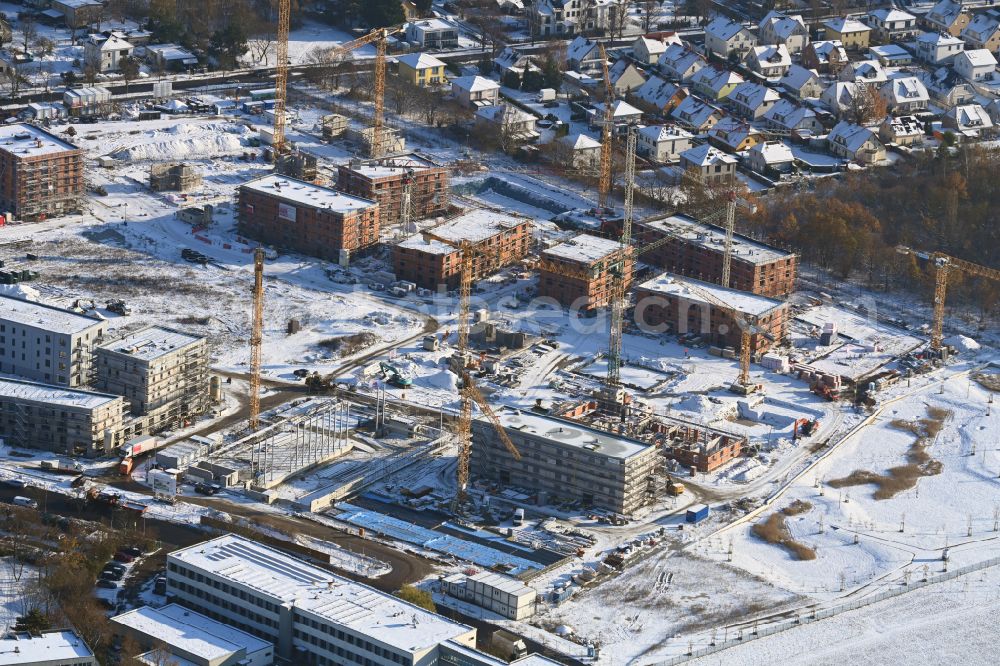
[
  {"x": 723, "y": 28},
  {"x": 151, "y": 343},
  {"x": 788, "y": 114},
  {"x": 112, "y": 43},
  {"x": 19, "y": 389},
  {"x": 419, "y": 61},
  {"x": 306, "y": 194},
  {"x": 867, "y": 71},
  {"x": 564, "y": 433},
  {"x": 774, "y": 152},
  {"x": 189, "y": 632},
  {"x": 752, "y": 95},
  {"x": 25, "y": 140},
  {"x": 783, "y": 25},
  {"x": 770, "y": 55},
  {"x": 171, "y": 52},
  {"x": 889, "y": 52},
  {"x": 45, "y": 317},
  {"x": 657, "y": 133},
  {"x": 584, "y": 249},
  {"x": 621, "y": 67},
  {"x": 652, "y": 46},
  {"x": 712, "y": 237},
  {"x": 473, "y": 225},
  {"x": 978, "y": 57},
  {"x": 732, "y": 132},
  {"x": 891, "y": 15},
  {"x": 580, "y": 142},
  {"x": 715, "y": 79},
  {"x": 316, "y": 592},
  {"x": 904, "y": 125},
  {"x": 945, "y": 12},
  {"x": 48, "y": 647},
  {"x": 970, "y": 117},
  {"x": 798, "y": 76},
  {"x": 744, "y": 302},
  {"x": 396, "y": 165},
  {"x": 694, "y": 112},
  {"x": 507, "y": 113},
  {"x": 679, "y": 58},
  {"x": 825, "y": 50},
  {"x": 938, "y": 39},
  {"x": 906, "y": 90},
  {"x": 580, "y": 48},
  {"x": 656, "y": 91},
  {"x": 840, "y": 94},
  {"x": 474, "y": 83},
  {"x": 621, "y": 109},
  {"x": 706, "y": 155},
  {"x": 431, "y": 24},
  {"x": 851, "y": 136},
  {"x": 844, "y": 25},
  {"x": 981, "y": 27}
]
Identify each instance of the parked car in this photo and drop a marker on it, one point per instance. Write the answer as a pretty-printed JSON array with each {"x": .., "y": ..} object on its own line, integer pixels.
[
  {"x": 107, "y": 584},
  {"x": 111, "y": 575},
  {"x": 116, "y": 566},
  {"x": 124, "y": 557},
  {"x": 207, "y": 488},
  {"x": 160, "y": 585},
  {"x": 134, "y": 551}
]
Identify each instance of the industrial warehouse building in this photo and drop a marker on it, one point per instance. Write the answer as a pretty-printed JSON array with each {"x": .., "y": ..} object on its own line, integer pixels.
[
  {"x": 498, "y": 239},
  {"x": 384, "y": 181},
  {"x": 46, "y": 343},
  {"x": 60, "y": 419},
  {"x": 162, "y": 373},
  {"x": 307, "y": 218},
  {"x": 313, "y": 616},
  {"x": 696, "y": 250},
  {"x": 41, "y": 175},
  {"x": 578, "y": 273},
  {"x": 563, "y": 459},
  {"x": 680, "y": 305}
]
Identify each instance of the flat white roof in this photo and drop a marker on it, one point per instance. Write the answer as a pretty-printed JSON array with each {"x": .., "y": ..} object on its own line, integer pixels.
[
  {"x": 46, "y": 317},
  {"x": 566, "y": 433},
  {"x": 50, "y": 646},
  {"x": 190, "y": 632},
  {"x": 709, "y": 235},
  {"x": 693, "y": 290},
  {"x": 53, "y": 395},
  {"x": 393, "y": 166},
  {"x": 150, "y": 343},
  {"x": 26, "y": 140},
  {"x": 503, "y": 583},
  {"x": 474, "y": 225},
  {"x": 306, "y": 194},
  {"x": 584, "y": 248},
  {"x": 363, "y": 610}
]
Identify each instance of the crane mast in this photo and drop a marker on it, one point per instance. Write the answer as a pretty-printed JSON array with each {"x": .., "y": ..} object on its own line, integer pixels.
[
  {"x": 604, "y": 185},
  {"x": 617, "y": 297},
  {"x": 256, "y": 336},
  {"x": 281, "y": 76}
]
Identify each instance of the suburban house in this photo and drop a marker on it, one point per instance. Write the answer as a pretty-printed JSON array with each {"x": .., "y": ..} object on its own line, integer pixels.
[
  {"x": 787, "y": 118},
  {"x": 583, "y": 55},
  {"x": 476, "y": 91},
  {"x": 567, "y": 17},
  {"x": 969, "y": 120},
  {"x": 170, "y": 57},
  {"x": 663, "y": 143},
  {"x": 733, "y": 136},
  {"x": 901, "y": 130},
  {"x": 725, "y": 37},
  {"x": 780, "y": 28},
  {"x": 993, "y": 108},
  {"x": 697, "y": 115},
  {"x": 975, "y": 65},
  {"x": 580, "y": 151},
  {"x": 825, "y": 56},
  {"x": 625, "y": 76},
  {"x": 947, "y": 16},
  {"x": 937, "y": 48},
  {"x": 892, "y": 25},
  {"x": 105, "y": 52},
  {"x": 432, "y": 33},
  {"x": 852, "y": 33},
  {"x": 841, "y": 97},
  {"x": 513, "y": 60},
  {"x": 511, "y": 122},
  {"x": 709, "y": 165},
  {"x": 623, "y": 114},
  {"x": 983, "y": 32},
  {"x": 947, "y": 88},
  {"x": 801, "y": 83},
  {"x": 421, "y": 69},
  {"x": 890, "y": 55},
  {"x": 658, "y": 95},
  {"x": 715, "y": 84},
  {"x": 856, "y": 143},
  {"x": 905, "y": 94},
  {"x": 771, "y": 61},
  {"x": 864, "y": 71},
  {"x": 771, "y": 158},
  {"x": 647, "y": 50},
  {"x": 680, "y": 63},
  {"x": 752, "y": 100}
]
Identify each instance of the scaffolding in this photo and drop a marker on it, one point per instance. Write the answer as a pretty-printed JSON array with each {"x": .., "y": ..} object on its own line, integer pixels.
[
  {"x": 45, "y": 187},
  {"x": 174, "y": 177}
]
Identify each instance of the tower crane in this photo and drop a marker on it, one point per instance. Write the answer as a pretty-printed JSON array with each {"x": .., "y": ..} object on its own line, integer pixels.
[
  {"x": 281, "y": 76},
  {"x": 604, "y": 184},
  {"x": 943, "y": 266},
  {"x": 469, "y": 392},
  {"x": 256, "y": 336}
]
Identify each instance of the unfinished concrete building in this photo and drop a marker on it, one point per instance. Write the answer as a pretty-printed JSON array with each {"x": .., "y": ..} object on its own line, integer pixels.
[
  {"x": 334, "y": 126},
  {"x": 696, "y": 250},
  {"x": 58, "y": 419},
  {"x": 163, "y": 374},
  {"x": 500, "y": 240},
  {"x": 298, "y": 165},
  {"x": 566, "y": 460},
  {"x": 174, "y": 177},
  {"x": 46, "y": 343},
  {"x": 679, "y": 305},
  {"x": 384, "y": 181},
  {"x": 307, "y": 218},
  {"x": 578, "y": 273},
  {"x": 41, "y": 175},
  {"x": 696, "y": 446}
]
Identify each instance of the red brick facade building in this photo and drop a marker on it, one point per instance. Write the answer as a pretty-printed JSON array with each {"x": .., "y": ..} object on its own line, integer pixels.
[
  {"x": 695, "y": 446},
  {"x": 578, "y": 273},
  {"x": 383, "y": 181},
  {"x": 306, "y": 218},
  {"x": 40, "y": 174},
  {"x": 501, "y": 239}
]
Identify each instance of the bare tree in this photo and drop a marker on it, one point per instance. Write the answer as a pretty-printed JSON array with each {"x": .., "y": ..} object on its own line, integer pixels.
[
  {"x": 867, "y": 105},
  {"x": 27, "y": 32},
  {"x": 129, "y": 67},
  {"x": 649, "y": 9}
]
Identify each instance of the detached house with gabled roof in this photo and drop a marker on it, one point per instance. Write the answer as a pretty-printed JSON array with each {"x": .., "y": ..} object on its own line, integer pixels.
[
  {"x": 583, "y": 55},
  {"x": 788, "y": 118},
  {"x": 733, "y": 135},
  {"x": 623, "y": 114},
  {"x": 771, "y": 61},
  {"x": 725, "y": 37},
  {"x": 947, "y": 88},
  {"x": 681, "y": 63},
  {"x": 841, "y": 97},
  {"x": 947, "y": 16},
  {"x": 788, "y": 29},
  {"x": 852, "y": 33},
  {"x": 513, "y": 60},
  {"x": 752, "y": 100},
  {"x": 983, "y": 32},
  {"x": 975, "y": 65},
  {"x": 658, "y": 96},
  {"x": 904, "y": 94},
  {"x": 969, "y": 120},
  {"x": 771, "y": 158},
  {"x": 856, "y": 143},
  {"x": 864, "y": 71},
  {"x": 901, "y": 130},
  {"x": 625, "y": 76},
  {"x": 663, "y": 144},
  {"x": 709, "y": 165},
  {"x": 696, "y": 115},
  {"x": 647, "y": 49},
  {"x": 715, "y": 84},
  {"x": 824, "y": 56},
  {"x": 105, "y": 52},
  {"x": 892, "y": 25},
  {"x": 937, "y": 48},
  {"x": 801, "y": 83}
]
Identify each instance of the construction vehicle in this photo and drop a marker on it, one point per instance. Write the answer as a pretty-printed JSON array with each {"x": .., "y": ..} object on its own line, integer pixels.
[
  {"x": 674, "y": 489},
  {"x": 804, "y": 428},
  {"x": 118, "y": 306},
  {"x": 944, "y": 265},
  {"x": 394, "y": 375}
]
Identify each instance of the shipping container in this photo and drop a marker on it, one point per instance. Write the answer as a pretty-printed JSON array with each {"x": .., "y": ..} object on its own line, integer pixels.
[{"x": 697, "y": 513}]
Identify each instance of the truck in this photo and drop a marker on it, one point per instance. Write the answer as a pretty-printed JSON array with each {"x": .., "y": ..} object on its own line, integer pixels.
[
  {"x": 696, "y": 513},
  {"x": 132, "y": 448},
  {"x": 61, "y": 466}
]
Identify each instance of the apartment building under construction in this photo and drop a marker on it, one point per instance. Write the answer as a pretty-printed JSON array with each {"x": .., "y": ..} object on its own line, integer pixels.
[
  {"x": 41, "y": 175},
  {"x": 163, "y": 374},
  {"x": 385, "y": 180},
  {"x": 578, "y": 273}
]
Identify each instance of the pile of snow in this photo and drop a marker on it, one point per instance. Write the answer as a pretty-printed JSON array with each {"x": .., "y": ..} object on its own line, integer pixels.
[
  {"x": 695, "y": 404},
  {"x": 445, "y": 379},
  {"x": 962, "y": 343},
  {"x": 190, "y": 141},
  {"x": 21, "y": 291}
]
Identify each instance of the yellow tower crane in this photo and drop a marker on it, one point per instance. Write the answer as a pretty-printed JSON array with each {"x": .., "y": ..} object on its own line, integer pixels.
[
  {"x": 256, "y": 336},
  {"x": 943, "y": 266},
  {"x": 604, "y": 184}
]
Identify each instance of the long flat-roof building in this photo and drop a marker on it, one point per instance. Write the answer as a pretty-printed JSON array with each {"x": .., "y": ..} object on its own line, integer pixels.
[
  {"x": 49, "y": 648},
  {"x": 697, "y": 249},
  {"x": 60, "y": 419},
  {"x": 41, "y": 175},
  {"x": 46, "y": 343},
  {"x": 565, "y": 459},
  {"x": 384, "y": 180},
  {"x": 500, "y": 240},
  {"x": 307, "y": 218},
  {"x": 501, "y": 594},
  {"x": 578, "y": 273}
]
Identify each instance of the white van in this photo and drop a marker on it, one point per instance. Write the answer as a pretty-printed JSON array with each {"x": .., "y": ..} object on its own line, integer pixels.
[
  {"x": 26, "y": 501},
  {"x": 518, "y": 517}
]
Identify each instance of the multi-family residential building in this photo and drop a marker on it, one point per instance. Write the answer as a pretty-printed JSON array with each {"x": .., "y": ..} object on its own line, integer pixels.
[
  {"x": 105, "y": 52},
  {"x": 787, "y": 29},
  {"x": 41, "y": 175},
  {"x": 578, "y": 273},
  {"x": 892, "y": 25},
  {"x": 386, "y": 179},
  {"x": 852, "y": 33},
  {"x": 725, "y": 37}
]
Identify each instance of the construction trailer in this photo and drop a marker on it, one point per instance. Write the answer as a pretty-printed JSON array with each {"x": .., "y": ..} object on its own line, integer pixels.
[
  {"x": 174, "y": 177},
  {"x": 504, "y": 595},
  {"x": 390, "y": 180},
  {"x": 41, "y": 175},
  {"x": 578, "y": 272}
]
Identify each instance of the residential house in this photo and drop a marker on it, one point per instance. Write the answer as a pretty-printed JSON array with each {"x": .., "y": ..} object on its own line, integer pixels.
[
  {"x": 970, "y": 120},
  {"x": 680, "y": 63},
  {"x": 421, "y": 69},
  {"x": 947, "y": 16},
  {"x": 771, "y": 158},
  {"x": 752, "y": 100},
  {"x": 904, "y": 95},
  {"x": 892, "y": 25},
  {"x": 657, "y": 95},
  {"x": 842, "y": 97},
  {"x": 432, "y": 33},
  {"x": 947, "y": 88},
  {"x": 507, "y": 121},
  {"x": 786, "y": 117},
  {"x": 476, "y": 91},
  {"x": 733, "y": 136},
  {"x": 513, "y": 60},
  {"x": 976, "y": 65},
  {"x": 825, "y": 56},
  {"x": 726, "y": 38},
  {"x": 983, "y": 32},
  {"x": 938, "y": 48},
  {"x": 170, "y": 57},
  {"x": 715, "y": 84},
  {"x": 864, "y": 71},
  {"x": 696, "y": 115},
  {"x": 568, "y": 17},
  {"x": 890, "y": 55},
  {"x": 583, "y": 55},
  {"x": 801, "y": 83},
  {"x": 856, "y": 143},
  {"x": 623, "y": 114},
  {"x": 901, "y": 130},
  {"x": 852, "y": 33},
  {"x": 771, "y": 61},
  {"x": 625, "y": 76},
  {"x": 780, "y": 28},
  {"x": 105, "y": 52},
  {"x": 709, "y": 165},
  {"x": 78, "y": 13},
  {"x": 647, "y": 49},
  {"x": 663, "y": 143},
  {"x": 581, "y": 152}
]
